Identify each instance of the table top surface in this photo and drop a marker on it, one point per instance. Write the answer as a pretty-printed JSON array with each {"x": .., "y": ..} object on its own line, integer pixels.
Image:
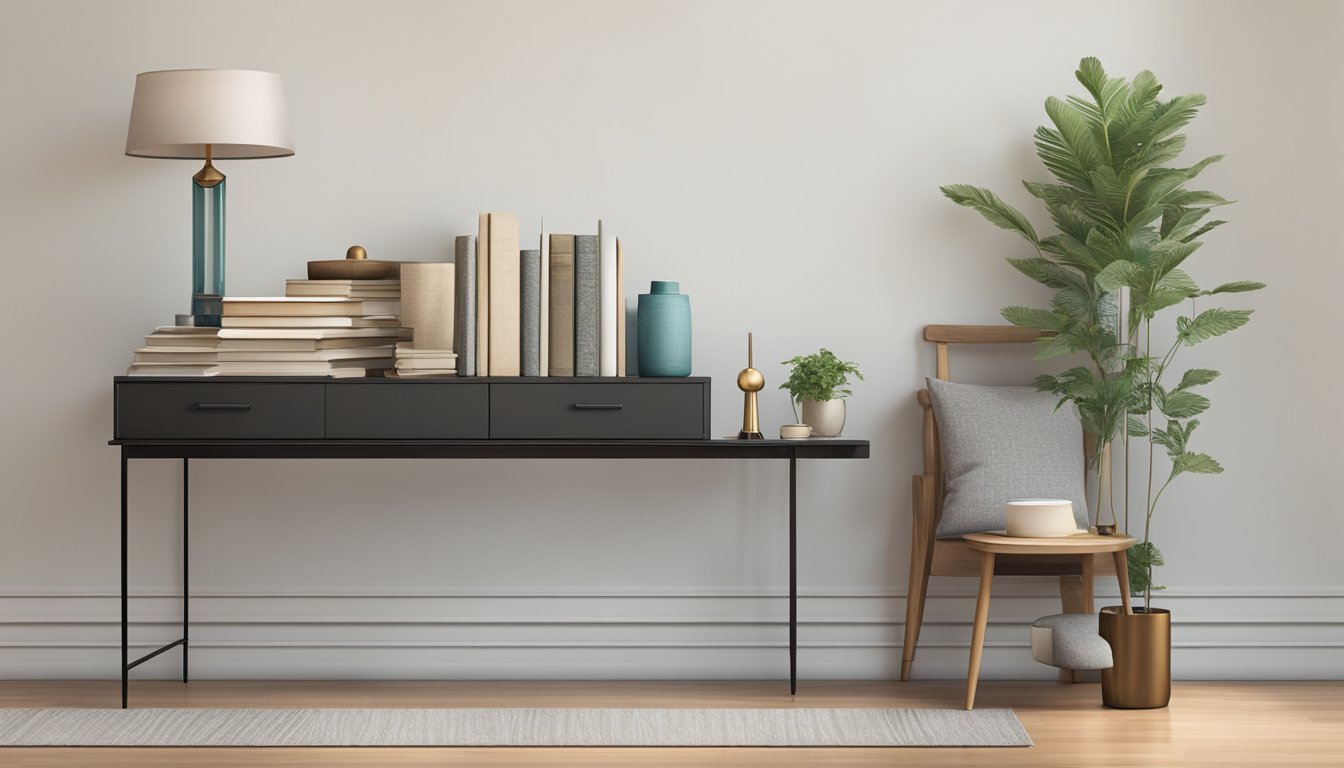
[
  {"x": 999, "y": 542},
  {"x": 810, "y": 448}
]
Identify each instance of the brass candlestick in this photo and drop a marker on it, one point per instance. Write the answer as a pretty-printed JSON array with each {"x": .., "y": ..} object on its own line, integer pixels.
[{"x": 750, "y": 381}]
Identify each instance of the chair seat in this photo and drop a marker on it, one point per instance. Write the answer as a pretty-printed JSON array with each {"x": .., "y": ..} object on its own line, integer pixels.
[{"x": 1070, "y": 641}]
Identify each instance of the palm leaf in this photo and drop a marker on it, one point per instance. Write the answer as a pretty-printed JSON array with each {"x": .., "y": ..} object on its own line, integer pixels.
[{"x": 995, "y": 211}]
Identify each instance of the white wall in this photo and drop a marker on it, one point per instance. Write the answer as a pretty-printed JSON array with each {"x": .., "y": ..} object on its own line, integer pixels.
[{"x": 782, "y": 161}]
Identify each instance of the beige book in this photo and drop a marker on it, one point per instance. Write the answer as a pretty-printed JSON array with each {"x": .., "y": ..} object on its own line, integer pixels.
[
  {"x": 300, "y": 368},
  {"x": 307, "y": 356},
  {"x": 302, "y": 345},
  {"x": 318, "y": 321},
  {"x": 174, "y": 355},
  {"x": 306, "y": 333},
  {"x": 620, "y": 309},
  {"x": 561, "y": 336},
  {"x": 307, "y": 306},
  {"x": 173, "y": 369},
  {"x": 483, "y": 297},
  {"x": 197, "y": 340},
  {"x": 504, "y": 281},
  {"x": 427, "y": 302}
]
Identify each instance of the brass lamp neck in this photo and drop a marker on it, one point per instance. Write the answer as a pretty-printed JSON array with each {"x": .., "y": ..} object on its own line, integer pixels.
[{"x": 208, "y": 176}]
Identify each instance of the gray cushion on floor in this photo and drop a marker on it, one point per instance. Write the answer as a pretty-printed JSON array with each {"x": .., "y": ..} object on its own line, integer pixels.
[
  {"x": 1002, "y": 443},
  {"x": 1074, "y": 641}
]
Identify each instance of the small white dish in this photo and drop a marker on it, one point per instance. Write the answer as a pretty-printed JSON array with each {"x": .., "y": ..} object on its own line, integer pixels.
[{"x": 795, "y": 431}]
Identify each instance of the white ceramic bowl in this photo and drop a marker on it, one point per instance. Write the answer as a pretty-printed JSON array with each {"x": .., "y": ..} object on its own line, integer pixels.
[
  {"x": 795, "y": 431},
  {"x": 1040, "y": 518}
]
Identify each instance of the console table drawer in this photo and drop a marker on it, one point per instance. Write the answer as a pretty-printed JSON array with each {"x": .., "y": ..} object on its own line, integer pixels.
[
  {"x": 219, "y": 410},
  {"x": 408, "y": 410},
  {"x": 599, "y": 410}
]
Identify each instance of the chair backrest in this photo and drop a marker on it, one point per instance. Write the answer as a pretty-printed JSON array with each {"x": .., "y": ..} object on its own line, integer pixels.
[{"x": 942, "y": 336}]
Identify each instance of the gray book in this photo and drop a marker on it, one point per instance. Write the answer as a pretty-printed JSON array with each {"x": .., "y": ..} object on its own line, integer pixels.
[
  {"x": 587, "y": 306},
  {"x": 530, "y": 312},
  {"x": 464, "y": 306}
]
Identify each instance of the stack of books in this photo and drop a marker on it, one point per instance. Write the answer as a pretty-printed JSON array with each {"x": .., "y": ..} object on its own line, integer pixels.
[
  {"x": 336, "y": 328},
  {"x": 557, "y": 310},
  {"x": 423, "y": 363},
  {"x": 177, "y": 351}
]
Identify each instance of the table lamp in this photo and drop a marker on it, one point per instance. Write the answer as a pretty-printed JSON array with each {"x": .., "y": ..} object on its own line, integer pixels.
[{"x": 209, "y": 114}]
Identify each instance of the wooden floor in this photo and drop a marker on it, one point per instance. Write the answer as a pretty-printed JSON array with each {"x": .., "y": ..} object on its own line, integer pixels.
[{"x": 1208, "y": 724}]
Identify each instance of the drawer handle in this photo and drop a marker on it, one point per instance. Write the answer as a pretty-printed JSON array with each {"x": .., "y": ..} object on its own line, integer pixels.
[
  {"x": 598, "y": 406},
  {"x": 222, "y": 406}
]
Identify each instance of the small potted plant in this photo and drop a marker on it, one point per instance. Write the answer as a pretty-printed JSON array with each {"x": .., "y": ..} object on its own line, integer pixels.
[{"x": 819, "y": 381}]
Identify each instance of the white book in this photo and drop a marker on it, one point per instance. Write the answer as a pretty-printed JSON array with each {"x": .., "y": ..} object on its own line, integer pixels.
[
  {"x": 299, "y": 368},
  {"x": 185, "y": 329},
  {"x": 314, "y": 334},
  {"x": 299, "y": 321},
  {"x": 174, "y": 355},
  {"x": 545, "y": 301},
  {"x": 308, "y": 306},
  {"x": 314, "y": 356},
  {"x": 606, "y": 260},
  {"x": 193, "y": 340},
  {"x": 172, "y": 369}
]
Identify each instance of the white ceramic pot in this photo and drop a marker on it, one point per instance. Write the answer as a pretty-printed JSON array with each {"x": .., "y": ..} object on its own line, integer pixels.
[
  {"x": 827, "y": 417},
  {"x": 1040, "y": 518}
]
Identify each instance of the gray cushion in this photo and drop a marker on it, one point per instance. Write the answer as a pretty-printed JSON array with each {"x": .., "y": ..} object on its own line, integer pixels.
[
  {"x": 1002, "y": 443},
  {"x": 1070, "y": 640}
]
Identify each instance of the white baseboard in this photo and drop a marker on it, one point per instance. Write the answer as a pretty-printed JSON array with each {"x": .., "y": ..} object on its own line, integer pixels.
[{"x": 1218, "y": 633}]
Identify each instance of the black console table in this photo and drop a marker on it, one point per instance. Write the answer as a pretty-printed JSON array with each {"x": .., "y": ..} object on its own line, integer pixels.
[{"x": 466, "y": 418}]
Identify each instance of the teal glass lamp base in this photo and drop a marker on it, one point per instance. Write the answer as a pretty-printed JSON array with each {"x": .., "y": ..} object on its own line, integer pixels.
[{"x": 207, "y": 248}]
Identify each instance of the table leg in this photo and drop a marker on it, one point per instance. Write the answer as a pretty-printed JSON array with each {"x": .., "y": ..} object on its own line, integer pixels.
[
  {"x": 125, "y": 612},
  {"x": 186, "y": 615},
  {"x": 1089, "y": 580},
  {"x": 1089, "y": 565},
  {"x": 793, "y": 573},
  {"x": 1122, "y": 576},
  {"x": 981, "y": 621}
]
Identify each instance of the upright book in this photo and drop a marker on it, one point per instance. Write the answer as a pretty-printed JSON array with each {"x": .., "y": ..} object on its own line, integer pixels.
[
  {"x": 587, "y": 306},
  {"x": 464, "y": 307},
  {"x": 504, "y": 284},
  {"x": 607, "y": 297},
  {"x": 530, "y": 312},
  {"x": 561, "y": 331},
  {"x": 483, "y": 296},
  {"x": 620, "y": 309},
  {"x": 545, "y": 244}
]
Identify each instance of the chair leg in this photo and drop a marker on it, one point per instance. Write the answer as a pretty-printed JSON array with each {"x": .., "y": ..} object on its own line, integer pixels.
[
  {"x": 914, "y": 605},
  {"x": 921, "y": 562}
]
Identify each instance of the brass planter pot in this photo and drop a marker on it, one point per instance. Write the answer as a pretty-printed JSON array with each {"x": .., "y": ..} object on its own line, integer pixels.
[{"x": 1141, "y": 645}]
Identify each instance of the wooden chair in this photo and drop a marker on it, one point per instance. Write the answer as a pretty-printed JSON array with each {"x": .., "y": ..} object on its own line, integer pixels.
[{"x": 931, "y": 556}]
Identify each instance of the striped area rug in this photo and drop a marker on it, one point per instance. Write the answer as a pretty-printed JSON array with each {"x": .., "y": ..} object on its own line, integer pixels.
[{"x": 552, "y": 727}]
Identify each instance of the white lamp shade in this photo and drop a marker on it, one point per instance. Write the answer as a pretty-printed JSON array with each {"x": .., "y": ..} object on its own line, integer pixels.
[{"x": 241, "y": 113}]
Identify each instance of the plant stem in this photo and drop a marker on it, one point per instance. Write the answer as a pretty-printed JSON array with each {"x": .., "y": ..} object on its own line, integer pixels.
[{"x": 1148, "y": 517}]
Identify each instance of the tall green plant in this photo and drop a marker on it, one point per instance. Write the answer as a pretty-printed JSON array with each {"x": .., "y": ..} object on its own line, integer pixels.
[{"x": 1126, "y": 222}]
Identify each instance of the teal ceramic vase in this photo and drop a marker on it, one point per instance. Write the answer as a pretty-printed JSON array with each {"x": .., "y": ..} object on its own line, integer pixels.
[{"x": 664, "y": 331}]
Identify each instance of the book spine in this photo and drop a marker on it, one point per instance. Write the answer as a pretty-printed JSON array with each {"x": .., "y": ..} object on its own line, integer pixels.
[
  {"x": 530, "y": 315},
  {"x": 483, "y": 296},
  {"x": 464, "y": 306},
  {"x": 504, "y": 285},
  {"x": 562, "y": 305},
  {"x": 620, "y": 309},
  {"x": 607, "y": 296},
  {"x": 587, "y": 306},
  {"x": 545, "y": 337}
]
